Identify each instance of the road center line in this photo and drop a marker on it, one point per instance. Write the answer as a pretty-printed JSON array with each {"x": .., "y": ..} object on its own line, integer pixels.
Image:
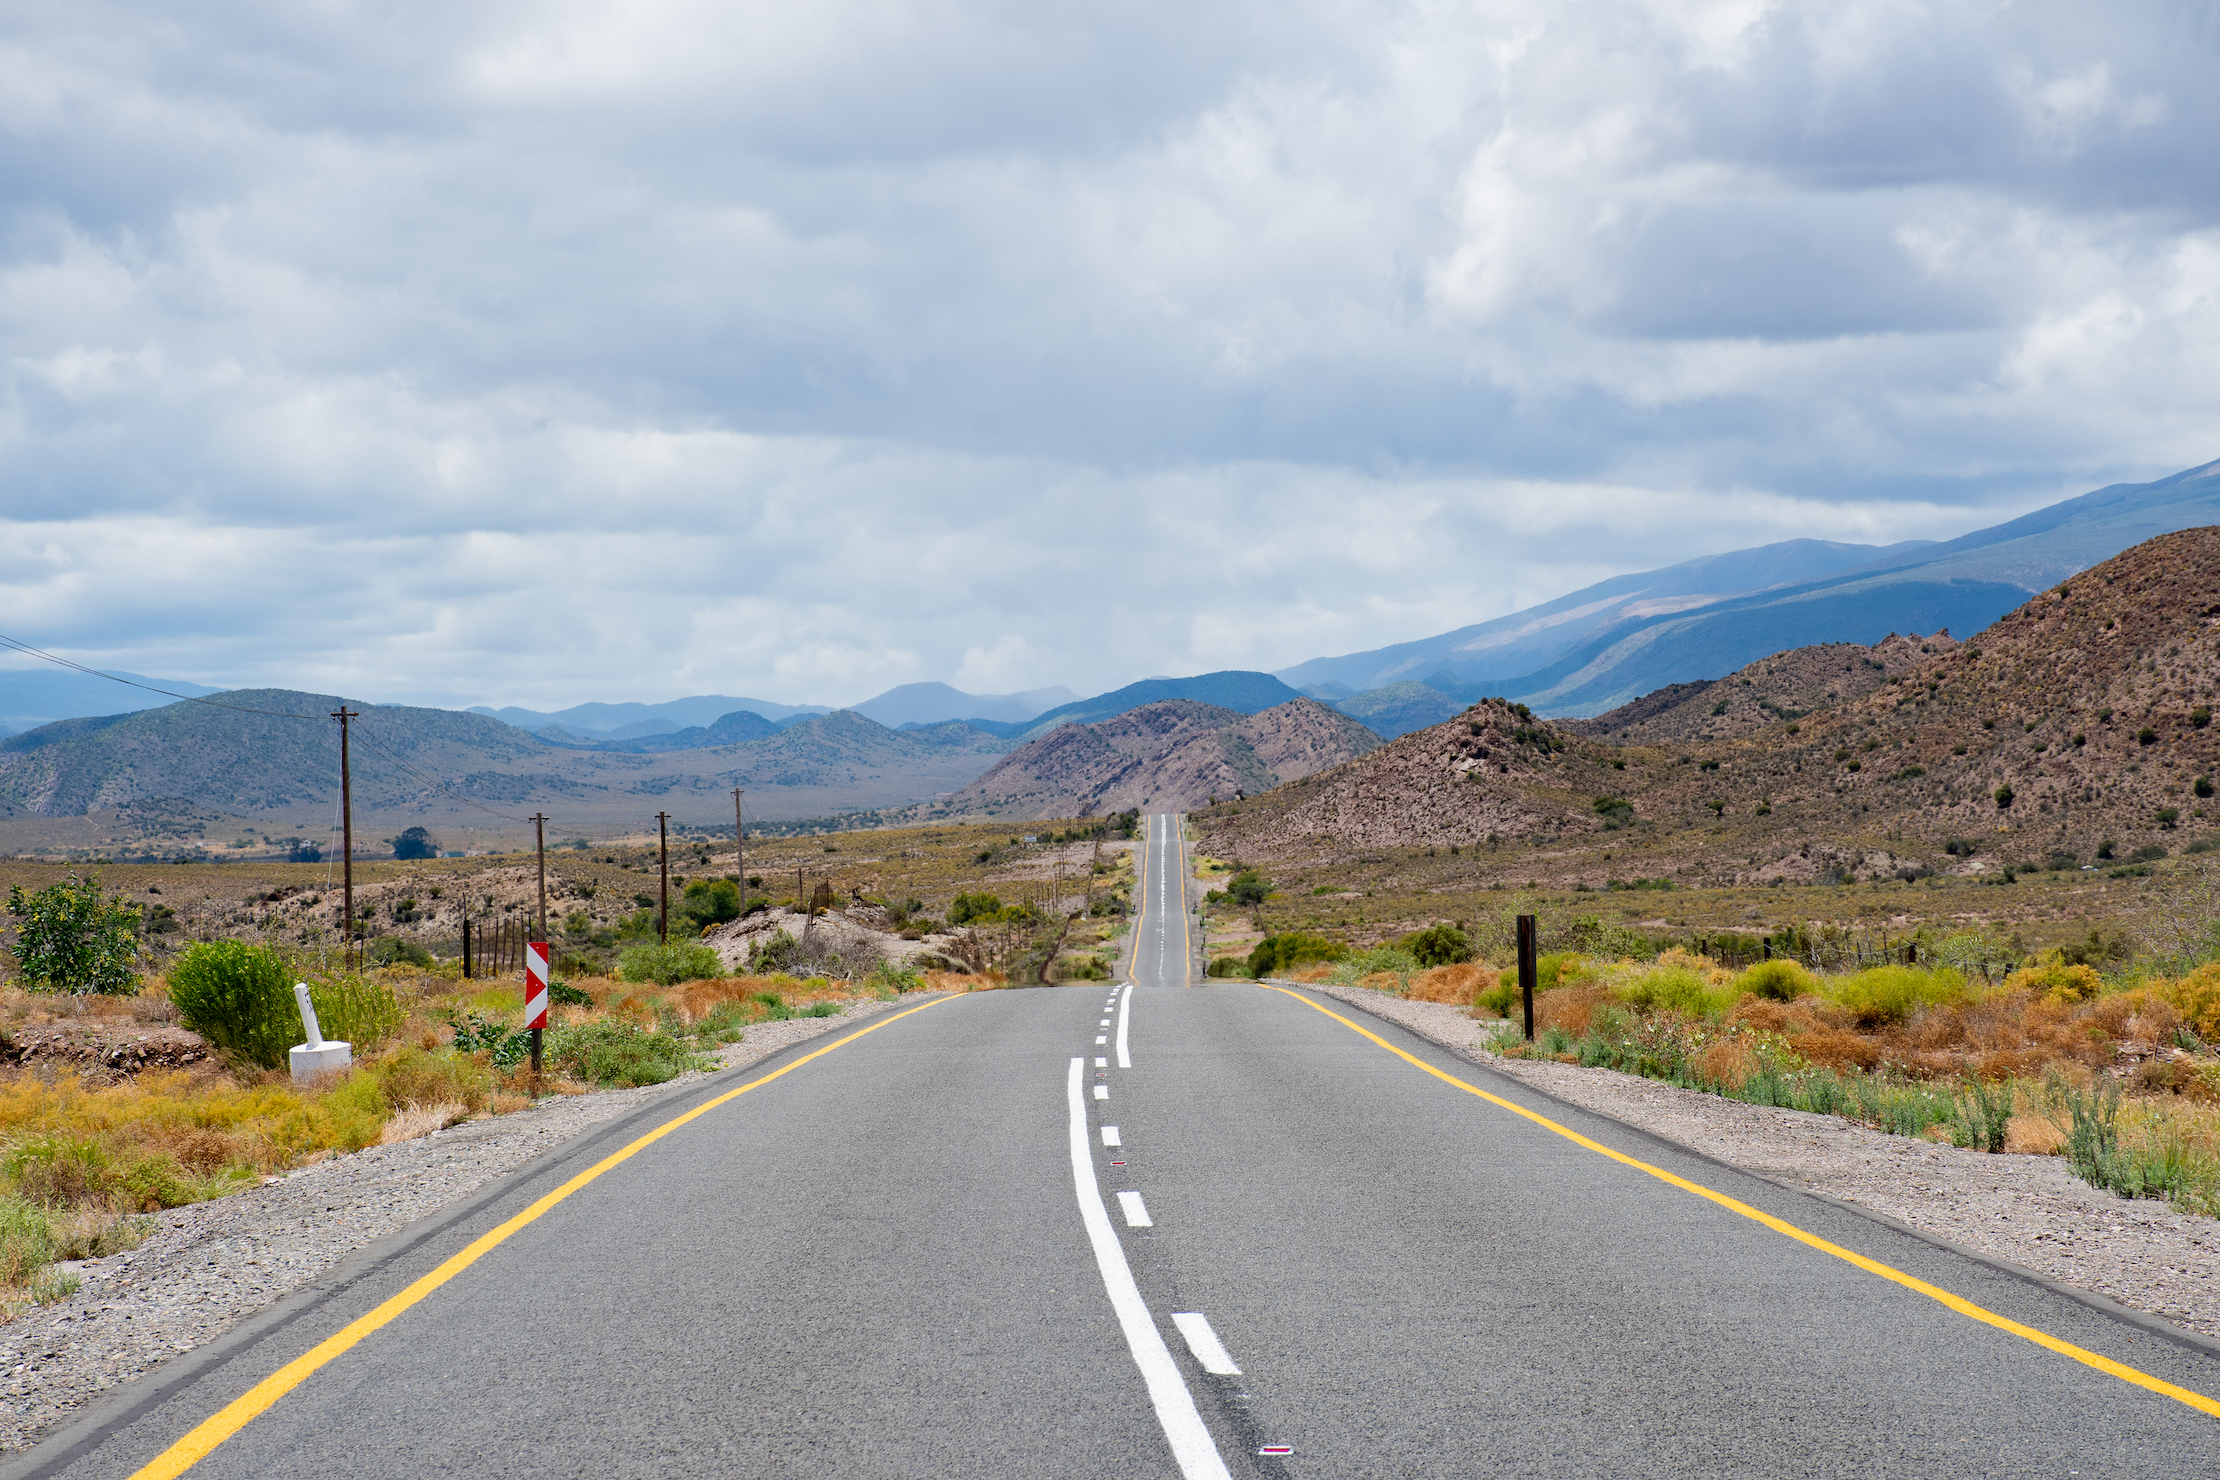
[
  {"x": 1125, "y": 1018},
  {"x": 1192, "y": 1447},
  {"x": 1918, "y": 1286},
  {"x": 1204, "y": 1343},
  {"x": 1110, "y": 1136},
  {"x": 1136, "y": 1212}
]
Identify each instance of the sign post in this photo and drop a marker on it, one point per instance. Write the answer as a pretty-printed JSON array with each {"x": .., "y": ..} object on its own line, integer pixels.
[
  {"x": 535, "y": 995},
  {"x": 1526, "y": 970}
]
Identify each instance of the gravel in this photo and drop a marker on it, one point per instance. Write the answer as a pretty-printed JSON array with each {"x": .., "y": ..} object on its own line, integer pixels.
[
  {"x": 208, "y": 1266},
  {"x": 2031, "y": 1211}
]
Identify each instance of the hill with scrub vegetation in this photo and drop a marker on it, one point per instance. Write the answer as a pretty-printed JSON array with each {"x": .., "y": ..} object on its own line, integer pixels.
[
  {"x": 270, "y": 757},
  {"x": 1168, "y": 756},
  {"x": 2074, "y": 731}
]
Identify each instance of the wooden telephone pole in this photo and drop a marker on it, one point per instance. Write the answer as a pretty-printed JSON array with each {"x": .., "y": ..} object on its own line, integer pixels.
[
  {"x": 663, "y": 920},
  {"x": 539, "y": 829},
  {"x": 739, "y": 845},
  {"x": 346, "y": 832}
]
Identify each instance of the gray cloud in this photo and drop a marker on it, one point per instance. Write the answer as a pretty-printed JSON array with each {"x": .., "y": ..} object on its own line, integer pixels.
[{"x": 551, "y": 353}]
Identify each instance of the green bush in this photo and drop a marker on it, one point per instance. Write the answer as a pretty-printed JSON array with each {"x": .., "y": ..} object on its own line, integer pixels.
[
  {"x": 1249, "y": 888},
  {"x": 1276, "y": 953},
  {"x": 710, "y": 902},
  {"x": 966, "y": 908},
  {"x": 238, "y": 997},
  {"x": 1890, "y": 994},
  {"x": 1438, "y": 945},
  {"x": 894, "y": 976},
  {"x": 418, "y": 1076},
  {"x": 355, "y": 1010},
  {"x": 1680, "y": 989},
  {"x": 1225, "y": 966},
  {"x": 1779, "y": 979},
  {"x": 619, "y": 1055},
  {"x": 678, "y": 961},
  {"x": 70, "y": 939},
  {"x": 391, "y": 950}
]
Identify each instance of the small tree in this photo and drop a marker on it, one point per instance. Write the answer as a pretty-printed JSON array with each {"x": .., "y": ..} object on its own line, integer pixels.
[
  {"x": 69, "y": 939},
  {"x": 415, "y": 842}
]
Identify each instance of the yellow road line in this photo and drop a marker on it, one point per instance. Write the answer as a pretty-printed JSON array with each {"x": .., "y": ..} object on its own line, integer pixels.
[
  {"x": 244, "y": 1409},
  {"x": 1957, "y": 1303}
]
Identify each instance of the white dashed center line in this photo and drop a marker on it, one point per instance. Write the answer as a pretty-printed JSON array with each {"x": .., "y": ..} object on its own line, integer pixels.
[
  {"x": 1192, "y": 1447},
  {"x": 1099, "y": 1038},
  {"x": 1125, "y": 1020},
  {"x": 1204, "y": 1343},
  {"x": 1100, "y": 1062},
  {"x": 1102, "y": 1091},
  {"x": 1110, "y": 1136},
  {"x": 1136, "y": 1212}
]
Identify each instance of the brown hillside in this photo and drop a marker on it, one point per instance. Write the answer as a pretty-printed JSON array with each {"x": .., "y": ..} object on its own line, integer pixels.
[
  {"x": 2090, "y": 704},
  {"x": 1175, "y": 754},
  {"x": 1772, "y": 691}
]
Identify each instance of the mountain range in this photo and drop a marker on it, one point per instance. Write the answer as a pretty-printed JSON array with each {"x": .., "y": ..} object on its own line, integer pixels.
[
  {"x": 1599, "y": 647},
  {"x": 2073, "y": 732}
]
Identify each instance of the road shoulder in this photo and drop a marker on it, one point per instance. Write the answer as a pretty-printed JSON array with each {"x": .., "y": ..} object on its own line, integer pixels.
[{"x": 2029, "y": 1214}]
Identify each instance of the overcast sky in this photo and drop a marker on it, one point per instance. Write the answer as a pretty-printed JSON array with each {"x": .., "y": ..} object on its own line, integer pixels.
[{"x": 539, "y": 353}]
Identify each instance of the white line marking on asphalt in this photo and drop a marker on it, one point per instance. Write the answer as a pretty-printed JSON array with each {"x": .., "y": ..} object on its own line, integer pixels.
[
  {"x": 1204, "y": 1343},
  {"x": 1104, "y": 1023},
  {"x": 1102, "y": 1091},
  {"x": 1136, "y": 1212},
  {"x": 1125, "y": 1020},
  {"x": 1100, "y": 1062},
  {"x": 1110, "y": 1136},
  {"x": 1192, "y": 1447},
  {"x": 1099, "y": 1038}
]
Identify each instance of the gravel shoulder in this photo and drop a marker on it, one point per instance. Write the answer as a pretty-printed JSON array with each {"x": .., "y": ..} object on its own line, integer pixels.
[
  {"x": 208, "y": 1266},
  {"x": 2031, "y": 1211}
]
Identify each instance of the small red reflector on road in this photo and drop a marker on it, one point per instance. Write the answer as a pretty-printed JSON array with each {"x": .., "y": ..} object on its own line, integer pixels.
[{"x": 1275, "y": 1449}]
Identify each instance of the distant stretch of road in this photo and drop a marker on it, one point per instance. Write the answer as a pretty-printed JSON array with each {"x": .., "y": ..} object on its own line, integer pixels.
[{"x": 1158, "y": 1229}]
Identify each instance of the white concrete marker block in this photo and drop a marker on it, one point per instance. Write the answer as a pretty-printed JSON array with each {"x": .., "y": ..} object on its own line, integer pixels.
[{"x": 316, "y": 1056}]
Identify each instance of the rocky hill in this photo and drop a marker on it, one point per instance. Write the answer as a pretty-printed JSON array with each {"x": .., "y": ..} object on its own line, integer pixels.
[
  {"x": 1170, "y": 755},
  {"x": 1772, "y": 691},
  {"x": 1398, "y": 709},
  {"x": 2077, "y": 728}
]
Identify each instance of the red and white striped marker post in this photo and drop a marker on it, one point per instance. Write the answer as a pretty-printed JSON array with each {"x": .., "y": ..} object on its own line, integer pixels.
[{"x": 535, "y": 994}]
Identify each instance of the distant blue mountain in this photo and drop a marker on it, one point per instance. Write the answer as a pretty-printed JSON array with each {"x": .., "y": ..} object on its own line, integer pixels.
[
  {"x": 1600, "y": 647},
  {"x": 935, "y": 703},
  {"x": 1235, "y": 689},
  {"x": 30, "y": 697},
  {"x": 630, "y": 721}
]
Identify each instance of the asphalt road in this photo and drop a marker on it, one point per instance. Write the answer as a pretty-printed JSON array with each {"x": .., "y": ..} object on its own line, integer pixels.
[{"x": 956, "y": 1245}]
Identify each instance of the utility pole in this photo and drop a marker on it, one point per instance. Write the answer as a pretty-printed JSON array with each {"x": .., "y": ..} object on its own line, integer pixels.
[
  {"x": 539, "y": 829},
  {"x": 346, "y": 832},
  {"x": 739, "y": 844},
  {"x": 663, "y": 920}
]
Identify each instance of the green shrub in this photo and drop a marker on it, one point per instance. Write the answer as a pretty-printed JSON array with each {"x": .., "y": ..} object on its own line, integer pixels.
[
  {"x": 1276, "y": 953},
  {"x": 70, "y": 939},
  {"x": 1779, "y": 979},
  {"x": 356, "y": 1010},
  {"x": 1249, "y": 888},
  {"x": 894, "y": 976},
  {"x": 239, "y": 997},
  {"x": 620, "y": 1055},
  {"x": 1438, "y": 945},
  {"x": 678, "y": 961},
  {"x": 391, "y": 950},
  {"x": 966, "y": 908},
  {"x": 1225, "y": 966},
  {"x": 504, "y": 1046},
  {"x": 1498, "y": 998},
  {"x": 1680, "y": 989},
  {"x": 710, "y": 902},
  {"x": 1890, "y": 994}
]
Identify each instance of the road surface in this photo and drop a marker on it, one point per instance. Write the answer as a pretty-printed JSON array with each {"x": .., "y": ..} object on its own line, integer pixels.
[{"x": 1034, "y": 1232}]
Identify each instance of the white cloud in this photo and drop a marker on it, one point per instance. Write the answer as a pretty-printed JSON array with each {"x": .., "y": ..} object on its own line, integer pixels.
[{"x": 545, "y": 353}]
